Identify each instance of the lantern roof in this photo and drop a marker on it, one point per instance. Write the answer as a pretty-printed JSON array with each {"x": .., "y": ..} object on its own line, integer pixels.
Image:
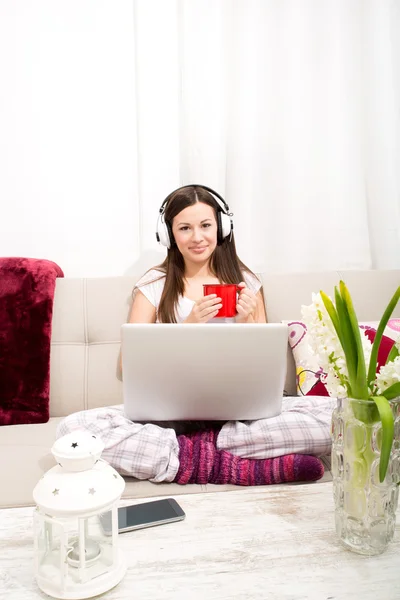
[
  {"x": 78, "y": 450},
  {"x": 81, "y": 482}
]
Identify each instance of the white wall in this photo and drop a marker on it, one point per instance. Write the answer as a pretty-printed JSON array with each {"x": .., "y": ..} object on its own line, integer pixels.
[{"x": 68, "y": 186}]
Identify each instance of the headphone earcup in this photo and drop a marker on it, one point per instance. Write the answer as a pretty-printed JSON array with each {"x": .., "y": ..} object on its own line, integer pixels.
[
  {"x": 220, "y": 239},
  {"x": 225, "y": 225},
  {"x": 163, "y": 234}
]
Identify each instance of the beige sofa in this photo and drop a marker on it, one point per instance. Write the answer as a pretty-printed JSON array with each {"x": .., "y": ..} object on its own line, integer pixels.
[{"x": 87, "y": 317}]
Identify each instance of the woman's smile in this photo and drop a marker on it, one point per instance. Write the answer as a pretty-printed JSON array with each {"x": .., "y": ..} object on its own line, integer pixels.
[{"x": 198, "y": 249}]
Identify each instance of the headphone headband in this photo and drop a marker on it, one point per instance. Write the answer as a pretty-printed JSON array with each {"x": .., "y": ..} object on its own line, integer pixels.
[{"x": 220, "y": 201}]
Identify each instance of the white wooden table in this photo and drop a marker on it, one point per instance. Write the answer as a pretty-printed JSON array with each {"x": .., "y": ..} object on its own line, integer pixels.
[{"x": 273, "y": 542}]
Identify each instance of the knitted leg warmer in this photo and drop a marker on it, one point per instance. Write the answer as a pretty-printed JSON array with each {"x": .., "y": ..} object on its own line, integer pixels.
[{"x": 200, "y": 462}]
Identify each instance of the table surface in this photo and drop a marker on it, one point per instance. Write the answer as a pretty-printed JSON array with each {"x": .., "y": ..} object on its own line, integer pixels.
[{"x": 262, "y": 542}]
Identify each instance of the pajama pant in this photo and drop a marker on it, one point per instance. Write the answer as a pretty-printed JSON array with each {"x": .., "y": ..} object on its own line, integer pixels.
[{"x": 151, "y": 450}]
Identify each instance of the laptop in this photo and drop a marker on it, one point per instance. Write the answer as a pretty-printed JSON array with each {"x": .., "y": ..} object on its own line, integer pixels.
[{"x": 203, "y": 372}]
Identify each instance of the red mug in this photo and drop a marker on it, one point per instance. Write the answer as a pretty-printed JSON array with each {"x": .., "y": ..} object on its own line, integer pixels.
[{"x": 228, "y": 294}]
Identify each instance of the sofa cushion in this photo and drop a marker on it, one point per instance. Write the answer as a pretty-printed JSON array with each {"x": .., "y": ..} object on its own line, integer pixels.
[
  {"x": 26, "y": 307},
  {"x": 25, "y": 456}
]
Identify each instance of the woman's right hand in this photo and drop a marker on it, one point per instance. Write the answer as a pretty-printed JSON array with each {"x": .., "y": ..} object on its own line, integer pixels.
[{"x": 205, "y": 309}]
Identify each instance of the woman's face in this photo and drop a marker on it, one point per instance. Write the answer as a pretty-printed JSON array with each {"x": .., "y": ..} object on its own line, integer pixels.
[{"x": 195, "y": 232}]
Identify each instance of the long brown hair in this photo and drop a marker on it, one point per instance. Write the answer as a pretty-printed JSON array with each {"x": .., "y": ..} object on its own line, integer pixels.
[{"x": 224, "y": 262}]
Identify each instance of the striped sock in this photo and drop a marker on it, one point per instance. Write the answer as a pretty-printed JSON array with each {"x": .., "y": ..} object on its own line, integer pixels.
[
  {"x": 200, "y": 462},
  {"x": 208, "y": 435}
]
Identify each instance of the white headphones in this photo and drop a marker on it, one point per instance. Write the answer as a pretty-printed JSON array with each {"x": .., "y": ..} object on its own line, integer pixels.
[{"x": 224, "y": 218}]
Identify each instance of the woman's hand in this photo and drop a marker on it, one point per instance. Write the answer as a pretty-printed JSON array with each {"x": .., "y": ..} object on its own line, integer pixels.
[
  {"x": 205, "y": 309},
  {"x": 247, "y": 304}
]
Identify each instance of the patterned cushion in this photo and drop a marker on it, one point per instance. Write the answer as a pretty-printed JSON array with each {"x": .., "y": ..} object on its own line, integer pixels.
[{"x": 309, "y": 372}]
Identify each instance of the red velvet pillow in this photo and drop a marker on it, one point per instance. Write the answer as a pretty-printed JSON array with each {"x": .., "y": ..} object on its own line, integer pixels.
[
  {"x": 308, "y": 370},
  {"x": 26, "y": 308}
]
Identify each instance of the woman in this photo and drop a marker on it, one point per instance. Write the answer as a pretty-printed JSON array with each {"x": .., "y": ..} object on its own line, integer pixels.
[
  {"x": 198, "y": 253},
  {"x": 197, "y": 228}
]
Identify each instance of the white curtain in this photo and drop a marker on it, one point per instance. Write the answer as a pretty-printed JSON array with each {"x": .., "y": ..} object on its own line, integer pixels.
[{"x": 290, "y": 110}]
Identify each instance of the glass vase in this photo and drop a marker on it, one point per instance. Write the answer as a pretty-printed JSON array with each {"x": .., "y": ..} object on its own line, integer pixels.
[{"x": 365, "y": 508}]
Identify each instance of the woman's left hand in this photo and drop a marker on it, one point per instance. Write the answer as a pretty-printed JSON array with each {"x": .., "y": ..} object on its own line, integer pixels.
[{"x": 247, "y": 303}]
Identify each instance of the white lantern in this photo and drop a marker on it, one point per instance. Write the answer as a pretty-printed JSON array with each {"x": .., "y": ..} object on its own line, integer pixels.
[{"x": 73, "y": 556}]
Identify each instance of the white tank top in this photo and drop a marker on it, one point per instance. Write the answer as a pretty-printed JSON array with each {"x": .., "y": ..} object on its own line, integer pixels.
[{"x": 152, "y": 285}]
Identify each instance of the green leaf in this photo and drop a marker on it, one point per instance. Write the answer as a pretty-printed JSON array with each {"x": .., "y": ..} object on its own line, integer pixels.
[
  {"x": 373, "y": 362},
  {"x": 331, "y": 310},
  {"x": 392, "y": 392},
  {"x": 366, "y": 412},
  {"x": 386, "y": 415},
  {"x": 394, "y": 353},
  {"x": 361, "y": 390},
  {"x": 341, "y": 328},
  {"x": 348, "y": 342}
]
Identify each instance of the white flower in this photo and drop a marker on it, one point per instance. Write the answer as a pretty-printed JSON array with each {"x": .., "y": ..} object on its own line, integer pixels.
[
  {"x": 325, "y": 345},
  {"x": 334, "y": 387},
  {"x": 388, "y": 375}
]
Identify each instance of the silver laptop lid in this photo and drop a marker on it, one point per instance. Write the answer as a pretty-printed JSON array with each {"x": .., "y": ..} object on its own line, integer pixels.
[{"x": 201, "y": 371}]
